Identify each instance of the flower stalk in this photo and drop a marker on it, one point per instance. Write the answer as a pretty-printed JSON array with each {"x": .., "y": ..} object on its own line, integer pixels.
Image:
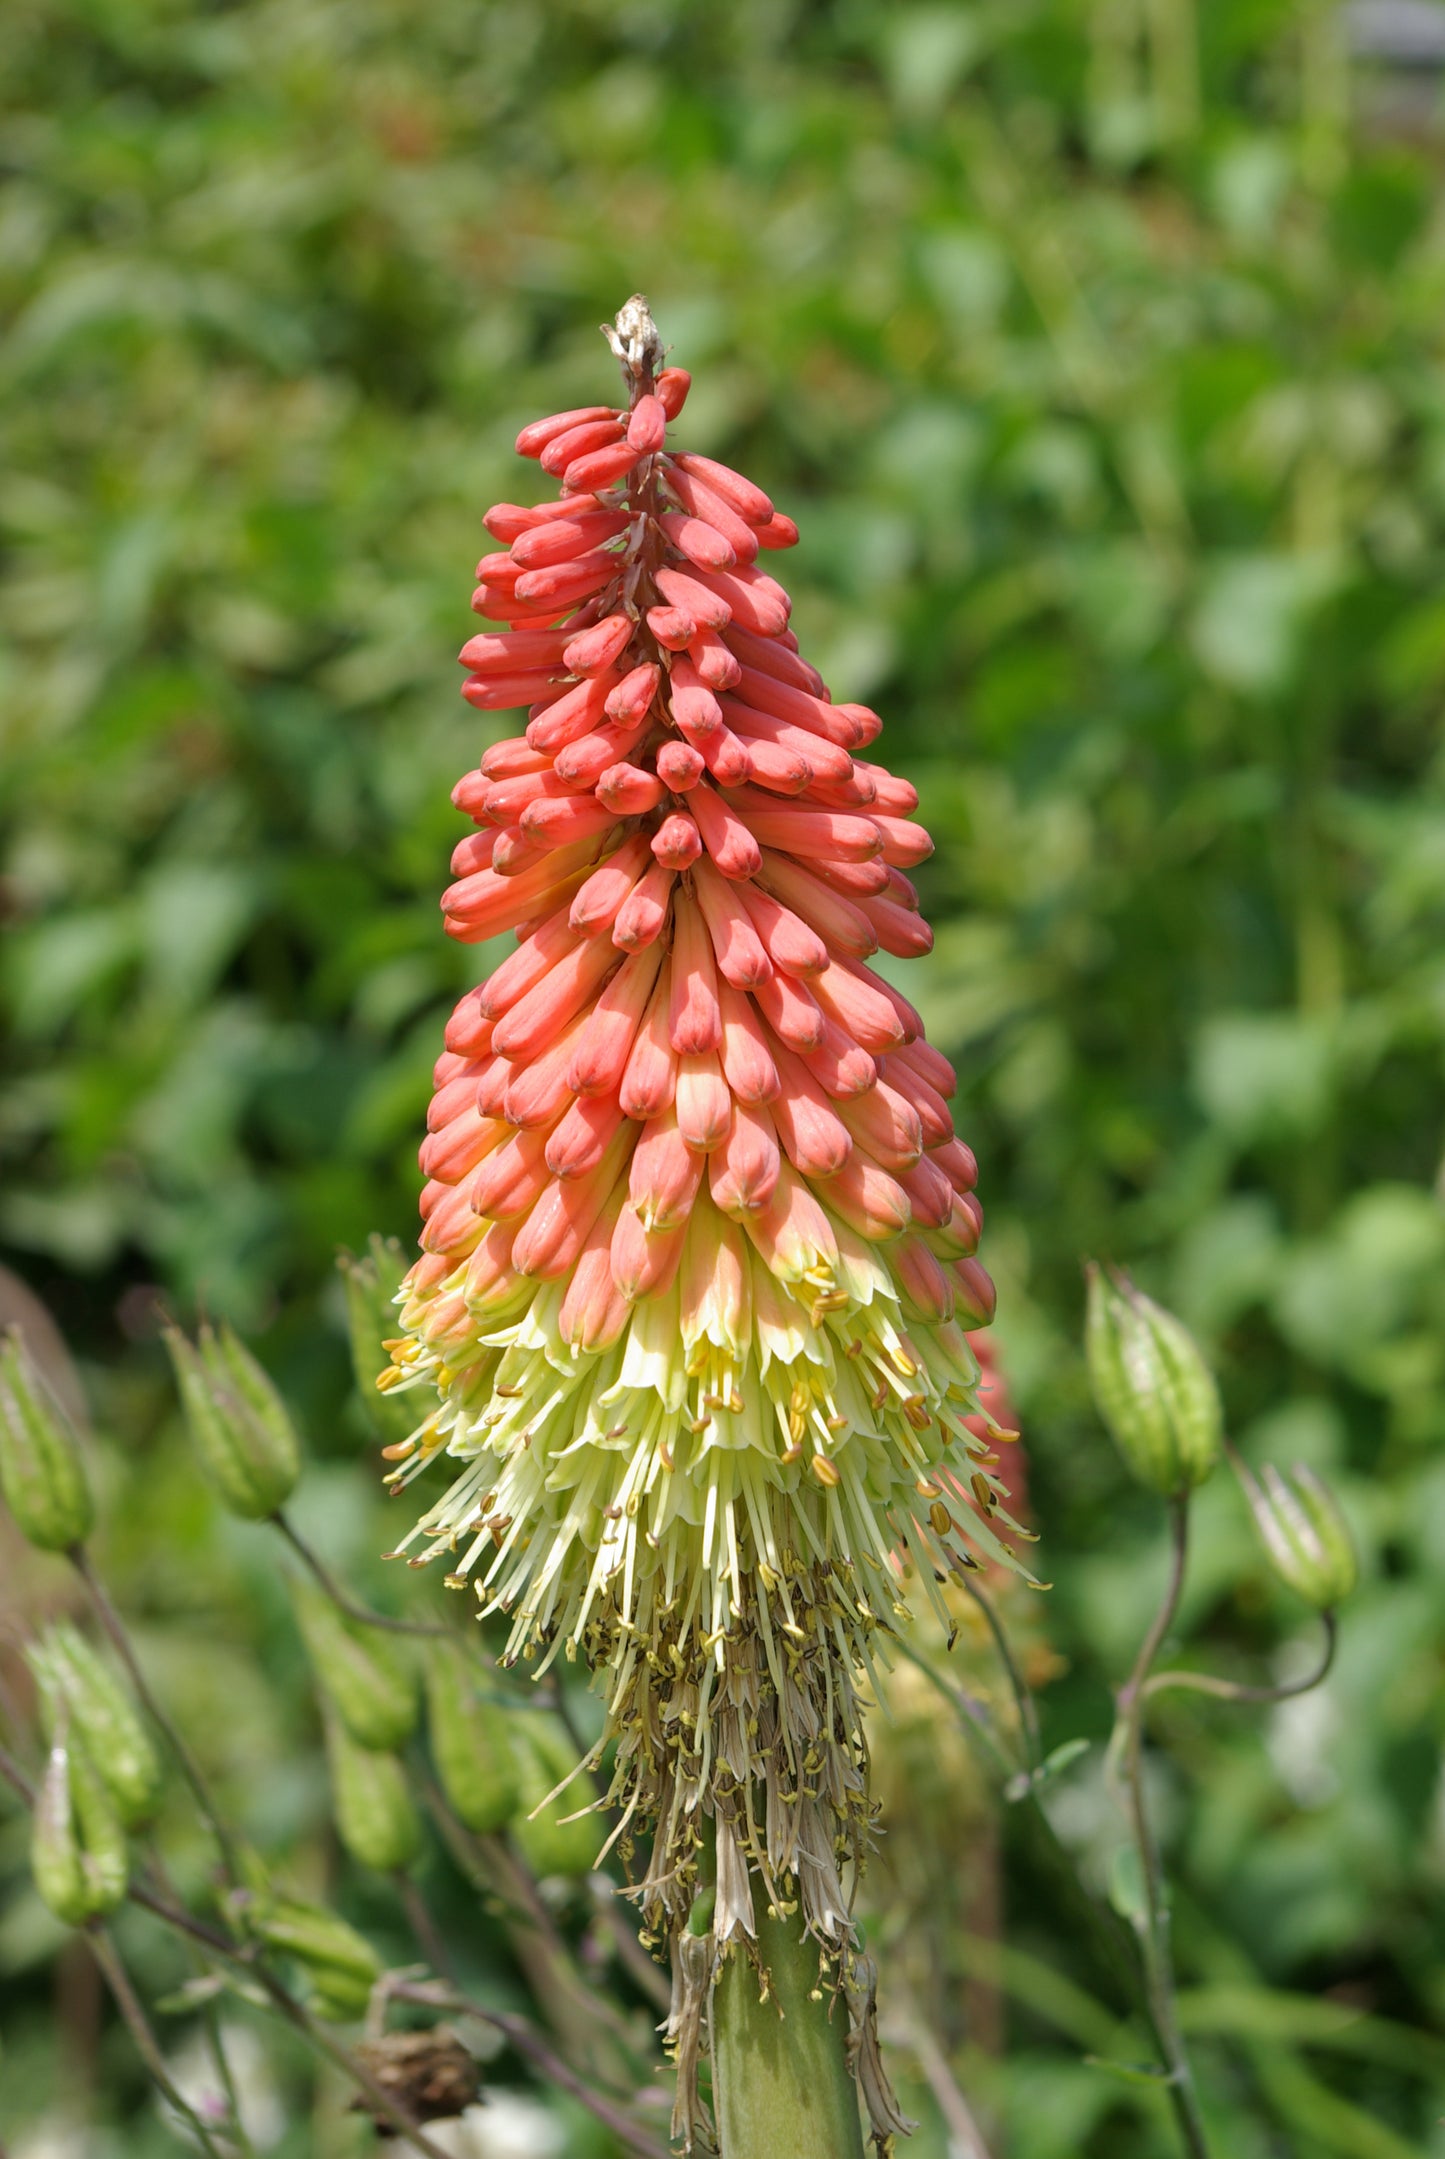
[{"x": 781, "y": 2072}]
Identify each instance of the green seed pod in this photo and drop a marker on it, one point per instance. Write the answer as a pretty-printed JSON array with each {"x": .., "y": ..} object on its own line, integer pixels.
[
  {"x": 547, "y": 1840},
  {"x": 471, "y": 1743},
  {"x": 42, "y": 1474},
  {"x": 1151, "y": 1386},
  {"x": 375, "y": 1817},
  {"x": 371, "y": 1285},
  {"x": 71, "y": 1672},
  {"x": 1306, "y": 1538},
  {"x": 78, "y": 1850},
  {"x": 238, "y": 1423},
  {"x": 361, "y": 1670},
  {"x": 340, "y": 1964}
]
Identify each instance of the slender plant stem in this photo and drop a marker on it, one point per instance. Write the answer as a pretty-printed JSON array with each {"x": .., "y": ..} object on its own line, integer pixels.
[
  {"x": 1024, "y": 1702},
  {"x": 424, "y": 1927},
  {"x": 327, "y": 1580},
  {"x": 190, "y": 1769},
  {"x": 1229, "y": 1690},
  {"x": 1127, "y": 1746},
  {"x": 535, "y": 2049},
  {"x": 117, "y": 1978}
]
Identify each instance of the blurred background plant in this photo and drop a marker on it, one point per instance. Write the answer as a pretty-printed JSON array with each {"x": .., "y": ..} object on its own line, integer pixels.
[{"x": 1096, "y": 346}]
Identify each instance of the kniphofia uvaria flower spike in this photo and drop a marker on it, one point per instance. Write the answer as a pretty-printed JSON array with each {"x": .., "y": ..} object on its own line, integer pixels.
[{"x": 698, "y": 1251}]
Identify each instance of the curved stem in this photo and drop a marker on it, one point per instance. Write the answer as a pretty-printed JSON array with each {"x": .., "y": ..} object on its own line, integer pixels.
[
  {"x": 326, "y": 1580},
  {"x": 1230, "y": 1690},
  {"x": 190, "y": 1769},
  {"x": 1153, "y": 1929}
]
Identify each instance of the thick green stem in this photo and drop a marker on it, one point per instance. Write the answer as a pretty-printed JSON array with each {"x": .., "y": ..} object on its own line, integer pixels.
[{"x": 781, "y": 2083}]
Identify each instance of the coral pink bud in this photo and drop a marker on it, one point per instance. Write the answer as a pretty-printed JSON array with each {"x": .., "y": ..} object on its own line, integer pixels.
[
  {"x": 677, "y": 841},
  {"x": 537, "y": 1092},
  {"x": 514, "y": 652},
  {"x": 554, "y": 821},
  {"x": 507, "y": 521},
  {"x": 505, "y": 800},
  {"x": 860, "y": 1007},
  {"x": 474, "y": 853},
  {"x": 628, "y": 790},
  {"x": 747, "y": 1059},
  {"x": 716, "y": 666},
  {"x": 790, "y": 1232},
  {"x": 512, "y": 1178},
  {"x": 855, "y": 792},
  {"x": 582, "y": 764},
  {"x": 926, "y": 1102},
  {"x": 959, "y": 1235},
  {"x": 594, "y": 649},
  {"x": 841, "y": 923},
  {"x": 673, "y": 629},
  {"x": 534, "y": 439},
  {"x": 779, "y": 531},
  {"x": 754, "y": 600},
  {"x": 599, "y": 468},
  {"x": 976, "y": 1296},
  {"x": 644, "y": 1262},
  {"x": 596, "y": 902},
  {"x": 460, "y": 1145},
  {"x": 665, "y": 1174},
  {"x": 782, "y": 772},
  {"x": 900, "y": 931},
  {"x": 743, "y": 1174},
  {"x": 691, "y": 597},
  {"x": 886, "y": 1125},
  {"x": 838, "y": 1064},
  {"x": 574, "y": 442},
  {"x": 865, "y": 718},
  {"x": 777, "y": 659},
  {"x": 704, "y": 1101},
  {"x": 856, "y": 880},
  {"x": 691, "y": 703},
  {"x": 679, "y": 767},
  {"x": 584, "y": 1134},
  {"x": 600, "y": 1057},
  {"x": 930, "y": 1194},
  {"x": 511, "y": 758},
  {"x": 789, "y": 942},
  {"x": 725, "y": 836},
  {"x": 697, "y": 542},
  {"x": 715, "y": 1284},
  {"x": 725, "y": 757},
  {"x": 647, "y": 425},
  {"x": 930, "y": 1065},
  {"x": 956, "y": 1159},
  {"x": 903, "y": 844},
  {"x": 469, "y": 1031},
  {"x": 749, "y": 501},
  {"x": 649, "y": 1082},
  {"x": 642, "y": 914},
  {"x": 709, "y": 508},
  {"x": 572, "y": 716},
  {"x": 562, "y": 583},
  {"x": 632, "y": 699},
  {"x": 492, "y": 1085},
  {"x": 791, "y": 1011},
  {"x": 927, "y": 1287},
  {"x": 814, "y": 1137},
  {"x": 594, "y": 1310},
  {"x": 489, "y": 1281},
  {"x": 564, "y": 537},
  {"x": 894, "y": 797},
  {"x": 868, "y": 1199},
  {"x": 552, "y": 1237},
  {"x": 694, "y": 1019},
  {"x": 540, "y": 1016},
  {"x": 455, "y": 1080},
  {"x": 671, "y": 387},
  {"x": 528, "y": 965},
  {"x": 902, "y": 893},
  {"x": 908, "y": 1017},
  {"x": 737, "y": 946},
  {"x": 799, "y": 708},
  {"x": 821, "y": 759},
  {"x": 450, "y": 1225}
]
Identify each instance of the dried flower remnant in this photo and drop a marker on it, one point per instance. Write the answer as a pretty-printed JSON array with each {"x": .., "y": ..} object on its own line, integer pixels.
[{"x": 698, "y": 1243}]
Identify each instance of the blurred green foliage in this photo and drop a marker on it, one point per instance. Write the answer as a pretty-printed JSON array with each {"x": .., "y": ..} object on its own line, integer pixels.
[{"x": 1096, "y": 346}]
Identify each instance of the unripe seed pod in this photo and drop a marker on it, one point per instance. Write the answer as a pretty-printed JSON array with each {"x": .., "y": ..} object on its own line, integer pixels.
[
  {"x": 78, "y": 1852},
  {"x": 1305, "y": 1535},
  {"x": 1151, "y": 1386},
  {"x": 238, "y": 1423},
  {"x": 78, "y": 1688},
  {"x": 360, "y": 1669},
  {"x": 375, "y": 1817},
  {"x": 42, "y": 1474},
  {"x": 471, "y": 1743},
  {"x": 340, "y": 1964},
  {"x": 547, "y": 1840}
]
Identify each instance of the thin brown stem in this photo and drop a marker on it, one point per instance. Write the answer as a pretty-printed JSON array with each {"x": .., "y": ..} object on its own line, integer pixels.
[
  {"x": 190, "y": 1769},
  {"x": 1230, "y": 1690},
  {"x": 327, "y": 1581},
  {"x": 424, "y": 1927},
  {"x": 127, "y": 2001},
  {"x": 531, "y": 2045}
]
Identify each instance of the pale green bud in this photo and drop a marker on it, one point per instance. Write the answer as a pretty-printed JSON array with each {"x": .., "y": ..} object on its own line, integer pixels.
[
  {"x": 372, "y": 1320},
  {"x": 75, "y": 1681},
  {"x": 42, "y": 1474},
  {"x": 548, "y": 1841},
  {"x": 238, "y": 1423},
  {"x": 1151, "y": 1386},
  {"x": 78, "y": 1850},
  {"x": 471, "y": 1743},
  {"x": 1306, "y": 1537},
  {"x": 366, "y": 1677},
  {"x": 375, "y": 1817}
]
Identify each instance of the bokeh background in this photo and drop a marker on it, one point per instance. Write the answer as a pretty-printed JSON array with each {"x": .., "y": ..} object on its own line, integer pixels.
[{"x": 1096, "y": 346}]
